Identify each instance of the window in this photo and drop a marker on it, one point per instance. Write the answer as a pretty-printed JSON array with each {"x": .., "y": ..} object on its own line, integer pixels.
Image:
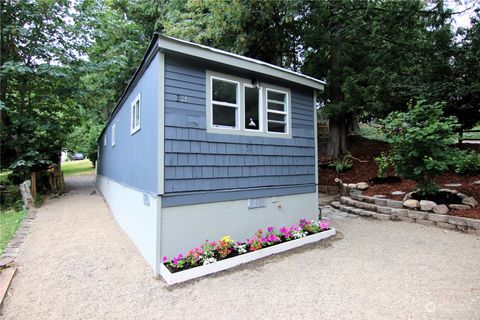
[
  {"x": 225, "y": 103},
  {"x": 252, "y": 108},
  {"x": 135, "y": 116},
  {"x": 246, "y": 107},
  {"x": 105, "y": 140},
  {"x": 113, "y": 135},
  {"x": 276, "y": 111}
]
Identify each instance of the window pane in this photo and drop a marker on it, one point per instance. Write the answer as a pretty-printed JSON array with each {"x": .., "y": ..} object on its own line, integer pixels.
[
  {"x": 252, "y": 121},
  {"x": 276, "y": 127},
  {"x": 133, "y": 117},
  {"x": 137, "y": 114},
  {"x": 276, "y": 106},
  {"x": 272, "y": 95},
  {"x": 276, "y": 116},
  {"x": 224, "y": 91},
  {"x": 224, "y": 116}
]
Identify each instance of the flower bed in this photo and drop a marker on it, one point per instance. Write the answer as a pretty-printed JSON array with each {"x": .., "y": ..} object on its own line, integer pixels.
[{"x": 214, "y": 256}]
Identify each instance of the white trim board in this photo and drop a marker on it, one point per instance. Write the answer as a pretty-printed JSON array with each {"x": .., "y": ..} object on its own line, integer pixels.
[
  {"x": 182, "y": 276},
  {"x": 235, "y": 60}
]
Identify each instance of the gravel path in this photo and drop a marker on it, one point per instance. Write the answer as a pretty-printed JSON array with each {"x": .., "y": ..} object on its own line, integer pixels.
[{"x": 78, "y": 264}]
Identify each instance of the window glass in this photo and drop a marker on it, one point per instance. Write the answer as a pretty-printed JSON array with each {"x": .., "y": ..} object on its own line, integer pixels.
[
  {"x": 137, "y": 113},
  {"x": 252, "y": 120},
  {"x": 223, "y": 91},
  {"x": 277, "y": 96},
  {"x": 276, "y": 117},
  {"x": 276, "y": 106},
  {"x": 224, "y": 116},
  {"x": 276, "y": 127}
]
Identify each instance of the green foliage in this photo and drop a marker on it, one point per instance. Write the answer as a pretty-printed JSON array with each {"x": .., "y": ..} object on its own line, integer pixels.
[
  {"x": 84, "y": 139},
  {"x": 9, "y": 223},
  {"x": 420, "y": 141},
  {"x": 383, "y": 162},
  {"x": 342, "y": 165},
  {"x": 466, "y": 162}
]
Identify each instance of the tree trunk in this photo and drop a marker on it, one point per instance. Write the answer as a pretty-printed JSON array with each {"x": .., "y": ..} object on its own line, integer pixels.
[
  {"x": 337, "y": 129},
  {"x": 337, "y": 136}
]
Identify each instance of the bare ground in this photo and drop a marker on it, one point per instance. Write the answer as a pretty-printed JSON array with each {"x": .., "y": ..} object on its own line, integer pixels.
[{"x": 78, "y": 264}]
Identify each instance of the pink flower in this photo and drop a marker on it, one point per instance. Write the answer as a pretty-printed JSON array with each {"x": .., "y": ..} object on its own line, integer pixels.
[
  {"x": 270, "y": 229},
  {"x": 165, "y": 258}
]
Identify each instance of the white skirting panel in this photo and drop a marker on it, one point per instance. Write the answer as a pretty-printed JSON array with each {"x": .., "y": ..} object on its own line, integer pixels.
[
  {"x": 185, "y": 227},
  {"x": 137, "y": 213}
]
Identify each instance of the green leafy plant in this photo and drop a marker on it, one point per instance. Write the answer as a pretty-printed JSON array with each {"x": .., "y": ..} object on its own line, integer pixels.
[
  {"x": 383, "y": 162},
  {"x": 342, "y": 165},
  {"x": 466, "y": 162},
  {"x": 420, "y": 141}
]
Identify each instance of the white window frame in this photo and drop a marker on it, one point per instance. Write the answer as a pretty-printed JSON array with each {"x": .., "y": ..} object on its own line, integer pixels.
[
  {"x": 105, "y": 140},
  {"x": 225, "y": 104},
  {"x": 240, "y": 128},
  {"x": 113, "y": 134},
  {"x": 284, "y": 113},
  {"x": 134, "y": 127}
]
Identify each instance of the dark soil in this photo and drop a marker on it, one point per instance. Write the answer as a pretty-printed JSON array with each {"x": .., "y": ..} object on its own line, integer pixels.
[
  {"x": 384, "y": 180},
  {"x": 366, "y": 169}
]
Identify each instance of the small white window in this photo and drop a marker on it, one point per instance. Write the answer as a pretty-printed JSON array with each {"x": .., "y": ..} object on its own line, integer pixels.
[
  {"x": 105, "y": 140},
  {"x": 252, "y": 100},
  {"x": 113, "y": 135},
  {"x": 135, "y": 115},
  {"x": 224, "y": 103},
  {"x": 277, "y": 111}
]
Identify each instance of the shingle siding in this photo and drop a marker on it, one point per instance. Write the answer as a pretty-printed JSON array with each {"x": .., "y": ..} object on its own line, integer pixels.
[{"x": 199, "y": 161}]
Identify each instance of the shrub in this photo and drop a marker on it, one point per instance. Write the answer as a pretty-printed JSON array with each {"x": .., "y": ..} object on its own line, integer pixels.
[
  {"x": 342, "y": 165},
  {"x": 420, "y": 140},
  {"x": 466, "y": 162},
  {"x": 382, "y": 162}
]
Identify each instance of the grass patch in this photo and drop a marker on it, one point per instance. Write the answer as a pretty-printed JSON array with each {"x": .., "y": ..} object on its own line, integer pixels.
[
  {"x": 472, "y": 135},
  {"x": 75, "y": 168},
  {"x": 9, "y": 222},
  {"x": 371, "y": 133},
  {"x": 4, "y": 176}
]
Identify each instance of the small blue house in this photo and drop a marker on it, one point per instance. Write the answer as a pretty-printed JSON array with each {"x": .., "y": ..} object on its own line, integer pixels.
[{"x": 206, "y": 143}]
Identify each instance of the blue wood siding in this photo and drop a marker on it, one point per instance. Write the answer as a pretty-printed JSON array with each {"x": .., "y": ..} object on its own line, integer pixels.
[
  {"x": 133, "y": 161},
  {"x": 197, "y": 161}
]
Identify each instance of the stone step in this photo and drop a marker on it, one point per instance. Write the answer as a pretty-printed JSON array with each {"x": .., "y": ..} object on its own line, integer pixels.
[{"x": 360, "y": 212}]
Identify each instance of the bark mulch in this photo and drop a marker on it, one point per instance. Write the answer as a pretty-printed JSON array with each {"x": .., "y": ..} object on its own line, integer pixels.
[{"x": 366, "y": 150}]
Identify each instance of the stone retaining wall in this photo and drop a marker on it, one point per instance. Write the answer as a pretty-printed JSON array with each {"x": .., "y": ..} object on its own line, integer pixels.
[{"x": 386, "y": 209}]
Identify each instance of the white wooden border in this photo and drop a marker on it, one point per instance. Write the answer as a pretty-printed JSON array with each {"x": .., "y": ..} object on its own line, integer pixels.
[{"x": 182, "y": 276}]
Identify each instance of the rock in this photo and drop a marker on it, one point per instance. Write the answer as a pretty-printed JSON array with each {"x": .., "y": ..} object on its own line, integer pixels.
[
  {"x": 459, "y": 206},
  {"x": 398, "y": 193},
  {"x": 458, "y": 221},
  {"x": 448, "y": 190},
  {"x": 470, "y": 201},
  {"x": 352, "y": 185},
  {"x": 394, "y": 204},
  {"x": 477, "y": 182},
  {"x": 440, "y": 209},
  {"x": 461, "y": 195},
  {"x": 362, "y": 186},
  {"x": 411, "y": 203},
  {"x": 426, "y": 205},
  {"x": 379, "y": 196},
  {"x": 453, "y": 185}
]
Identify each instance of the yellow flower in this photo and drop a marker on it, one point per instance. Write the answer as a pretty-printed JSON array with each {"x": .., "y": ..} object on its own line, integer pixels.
[{"x": 227, "y": 240}]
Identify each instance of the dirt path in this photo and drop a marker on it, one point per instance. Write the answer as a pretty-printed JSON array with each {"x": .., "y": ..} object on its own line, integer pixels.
[{"x": 78, "y": 264}]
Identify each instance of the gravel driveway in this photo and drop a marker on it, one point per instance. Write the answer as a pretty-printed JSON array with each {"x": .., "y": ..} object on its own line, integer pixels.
[{"x": 78, "y": 264}]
